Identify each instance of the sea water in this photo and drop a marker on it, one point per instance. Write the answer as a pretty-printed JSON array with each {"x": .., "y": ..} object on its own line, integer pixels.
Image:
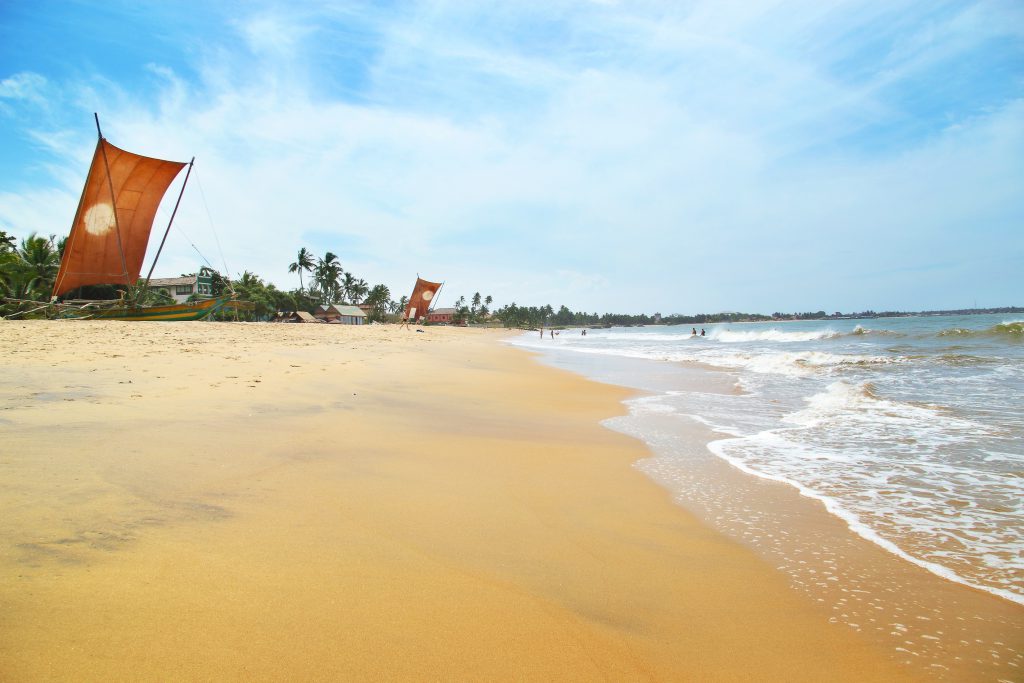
[{"x": 909, "y": 429}]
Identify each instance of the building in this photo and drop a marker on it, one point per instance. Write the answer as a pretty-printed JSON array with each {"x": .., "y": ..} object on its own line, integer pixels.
[
  {"x": 181, "y": 288},
  {"x": 441, "y": 315},
  {"x": 340, "y": 314},
  {"x": 293, "y": 317}
]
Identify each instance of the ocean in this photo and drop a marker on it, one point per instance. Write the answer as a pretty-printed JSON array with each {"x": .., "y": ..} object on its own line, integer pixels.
[{"x": 910, "y": 430}]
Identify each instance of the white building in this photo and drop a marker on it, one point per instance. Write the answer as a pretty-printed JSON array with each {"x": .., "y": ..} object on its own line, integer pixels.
[{"x": 181, "y": 288}]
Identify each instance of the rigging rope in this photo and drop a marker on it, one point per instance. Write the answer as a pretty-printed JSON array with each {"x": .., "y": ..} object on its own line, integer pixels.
[{"x": 209, "y": 217}]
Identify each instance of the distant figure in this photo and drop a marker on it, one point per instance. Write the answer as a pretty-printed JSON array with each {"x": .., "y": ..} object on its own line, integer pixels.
[
  {"x": 702, "y": 331},
  {"x": 583, "y": 333},
  {"x": 694, "y": 332},
  {"x": 552, "y": 334},
  {"x": 542, "y": 333}
]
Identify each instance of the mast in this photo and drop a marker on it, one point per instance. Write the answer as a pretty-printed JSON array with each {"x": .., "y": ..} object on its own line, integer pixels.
[
  {"x": 71, "y": 233},
  {"x": 113, "y": 201},
  {"x": 433, "y": 300},
  {"x": 169, "y": 223}
]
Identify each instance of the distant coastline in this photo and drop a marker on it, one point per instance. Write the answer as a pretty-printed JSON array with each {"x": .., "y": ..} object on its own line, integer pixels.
[{"x": 566, "y": 318}]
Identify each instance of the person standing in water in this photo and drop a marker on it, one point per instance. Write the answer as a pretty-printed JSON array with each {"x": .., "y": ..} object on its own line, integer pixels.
[{"x": 702, "y": 331}]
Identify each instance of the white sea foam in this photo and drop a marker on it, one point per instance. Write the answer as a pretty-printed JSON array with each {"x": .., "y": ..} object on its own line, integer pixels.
[
  {"x": 838, "y": 508},
  {"x": 872, "y": 462},
  {"x": 917, "y": 445},
  {"x": 729, "y": 335}
]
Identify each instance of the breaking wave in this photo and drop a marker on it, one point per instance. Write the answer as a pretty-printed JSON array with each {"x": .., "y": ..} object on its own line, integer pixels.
[
  {"x": 775, "y": 335},
  {"x": 1013, "y": 329}
]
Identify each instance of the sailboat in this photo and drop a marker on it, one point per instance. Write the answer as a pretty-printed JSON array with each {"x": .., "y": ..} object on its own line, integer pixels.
[{"x": 110, "y": 233}]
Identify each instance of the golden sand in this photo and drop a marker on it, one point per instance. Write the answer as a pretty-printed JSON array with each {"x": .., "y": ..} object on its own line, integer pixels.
[{"x": 310, "y": 502}]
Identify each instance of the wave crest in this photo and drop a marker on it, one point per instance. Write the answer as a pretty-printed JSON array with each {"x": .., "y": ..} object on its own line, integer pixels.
[
  {"x": 771, "y": 335},
  {"x": 1013, "y": 329}
]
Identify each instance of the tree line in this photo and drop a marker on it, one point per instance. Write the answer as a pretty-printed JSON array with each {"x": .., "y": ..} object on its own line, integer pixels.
[{"x": 28, "y": 269}]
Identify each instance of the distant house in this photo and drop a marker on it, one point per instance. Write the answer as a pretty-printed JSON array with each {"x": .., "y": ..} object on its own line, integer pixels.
[
  {"x": 341, "y": 315},
  {"x": 441, "y": 315},
  {"x": 181, "y": 288}
]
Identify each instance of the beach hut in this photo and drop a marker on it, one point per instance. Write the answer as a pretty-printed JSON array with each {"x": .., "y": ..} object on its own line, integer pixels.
[
  {"x": 294, "y": 317},
  {"x": 341, "y": 315}
]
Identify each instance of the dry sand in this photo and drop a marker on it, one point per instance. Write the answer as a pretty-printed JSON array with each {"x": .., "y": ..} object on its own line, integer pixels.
[{"x": 308, "y": 502}]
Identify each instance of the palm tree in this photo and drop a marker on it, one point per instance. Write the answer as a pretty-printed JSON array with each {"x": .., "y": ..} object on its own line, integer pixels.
[
  {"x": 39, "y": 262},
  {"x": 304, "y": 262},
  {"x": 399, "y": 306},
  {"x": 378, "y": 299},
  {"x": 327, "y": 272},
  {"x": 8, "y": 262},
  {"x": 359, "y": 290},
  {"x": 348, "y": 283}
]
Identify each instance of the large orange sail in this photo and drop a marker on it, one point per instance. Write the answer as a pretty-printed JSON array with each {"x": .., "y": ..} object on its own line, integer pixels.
[
  {"x": 421, "y": 299},
  {"x": 103, "y": 248}
]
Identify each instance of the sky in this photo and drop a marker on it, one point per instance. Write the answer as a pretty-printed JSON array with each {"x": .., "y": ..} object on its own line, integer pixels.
[{"x": 673, "y": 157}]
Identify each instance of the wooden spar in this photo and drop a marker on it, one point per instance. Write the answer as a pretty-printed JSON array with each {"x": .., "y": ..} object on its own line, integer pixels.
[
  {"x": 433, "y": 301},
  {"x": 78, "y": 212},
  {"x": 169, "y": 223},
  {"x": 113, "y": 201}
]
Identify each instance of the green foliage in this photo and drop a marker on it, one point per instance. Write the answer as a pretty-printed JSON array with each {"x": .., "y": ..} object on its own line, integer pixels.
[
  {"x": 218, "y": 283},
  {"x": 27, "y": 271},
  {"x": 379, "y": 298},
  {"x": 474, "y": 312},
  {"x": 326, "y": 275},
  {"x": 6, "y": 242},
  {"x": 305, "y": 261}
]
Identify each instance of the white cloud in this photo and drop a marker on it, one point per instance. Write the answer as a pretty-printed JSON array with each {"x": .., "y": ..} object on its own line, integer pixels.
[
  {"x": 698, "y": 156},
  {"x": 23, "y": 86}
]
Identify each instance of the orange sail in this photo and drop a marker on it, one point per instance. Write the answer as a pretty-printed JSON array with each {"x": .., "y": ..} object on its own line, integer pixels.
[
  {"x": 421, "y": 299},
  {"x": 110, "y": 233}
]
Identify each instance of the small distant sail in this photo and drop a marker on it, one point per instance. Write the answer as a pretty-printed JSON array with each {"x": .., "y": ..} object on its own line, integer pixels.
[
  {"x": 134, "y": 189},
  {"x": 422, "y": 298}
]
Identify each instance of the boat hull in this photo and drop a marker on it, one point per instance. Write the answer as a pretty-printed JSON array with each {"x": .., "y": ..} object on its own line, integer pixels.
[{"x": 196, "y": 310}]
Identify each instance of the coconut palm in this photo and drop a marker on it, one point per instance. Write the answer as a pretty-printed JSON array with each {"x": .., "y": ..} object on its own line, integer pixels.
[
  {"x": 327, "y": 272},
  {"x": 8, "y": 262},
  {"x": 359, "y": 291},
  {"x": 348, "y": 282},
  {"x": 378, "y": 299},
  {"x": 305, "y": 261},
  {"x": 39, "y": 262}
]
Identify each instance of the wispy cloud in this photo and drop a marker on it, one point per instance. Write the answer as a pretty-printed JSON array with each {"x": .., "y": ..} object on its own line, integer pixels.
[{"x": 703, "y": 156}]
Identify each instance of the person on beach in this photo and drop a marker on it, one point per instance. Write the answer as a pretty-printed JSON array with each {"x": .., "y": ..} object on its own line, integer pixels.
[
  {"x": 693, "y": 332},
  {"x": 552, "y": 334},
  {"x": 702, "y": 331},
  {"x": 542, "y": 333}
]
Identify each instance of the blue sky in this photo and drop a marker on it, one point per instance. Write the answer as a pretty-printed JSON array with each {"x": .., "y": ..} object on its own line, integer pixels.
[{"x": 612, "y": 156}]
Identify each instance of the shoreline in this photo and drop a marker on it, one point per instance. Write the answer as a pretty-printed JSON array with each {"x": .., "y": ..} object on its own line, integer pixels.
[
  {"x": 197, "y": 501},
  {"x": 929, "y": 620}
]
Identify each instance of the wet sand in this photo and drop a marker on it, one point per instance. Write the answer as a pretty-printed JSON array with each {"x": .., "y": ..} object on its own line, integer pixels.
[
  {"x": 264, "y": 502},
  {"x": 939, "y": 628}
]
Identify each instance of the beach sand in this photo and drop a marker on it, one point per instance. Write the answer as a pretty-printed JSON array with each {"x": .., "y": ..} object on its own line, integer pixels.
[{"x": 272, "y": 502}]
